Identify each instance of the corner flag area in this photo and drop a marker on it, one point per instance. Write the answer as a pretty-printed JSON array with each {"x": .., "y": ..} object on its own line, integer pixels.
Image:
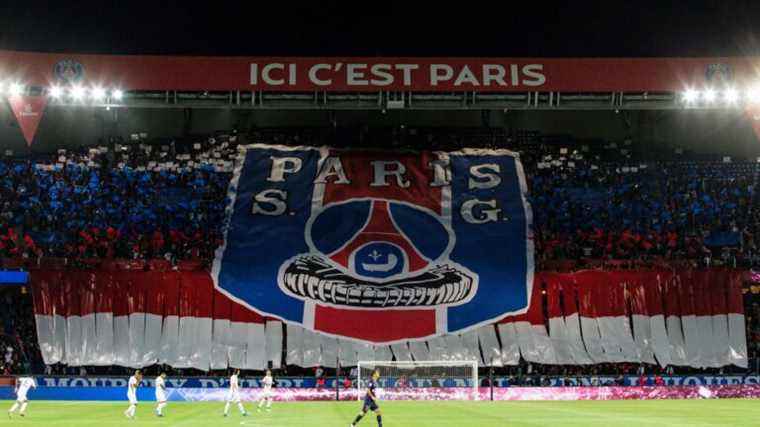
[{"x": 671, "y": 413}]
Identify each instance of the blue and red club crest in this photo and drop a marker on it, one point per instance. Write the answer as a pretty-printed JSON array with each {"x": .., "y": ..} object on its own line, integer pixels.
[
  {"x": 378, "y": 241},
  {"x": 376, "y": 253},
  {"x": 68, "y": 71},
  {"x": 378, "y": 246}
]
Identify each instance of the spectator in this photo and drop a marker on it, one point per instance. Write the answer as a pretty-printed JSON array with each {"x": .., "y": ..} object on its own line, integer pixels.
[
  {"x": 658, "y": 381},
  {"x": 620, "y": 380},
  {"x": 643, "y": 380},
  {"x": 319, "y": 377},
  {"x": 401, "y": 382}
]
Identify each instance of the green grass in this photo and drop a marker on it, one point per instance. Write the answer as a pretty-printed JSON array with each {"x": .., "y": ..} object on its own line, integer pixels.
[{"x": 735, "y": 413}]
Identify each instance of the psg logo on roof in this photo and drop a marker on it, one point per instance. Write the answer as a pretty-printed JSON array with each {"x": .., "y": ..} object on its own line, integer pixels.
[
  {"x": 721, "y": 73},
  {"x": 68, "y": 71}
]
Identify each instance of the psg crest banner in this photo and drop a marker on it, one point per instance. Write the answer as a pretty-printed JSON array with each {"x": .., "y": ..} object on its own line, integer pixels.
[{"x": 378, "y": 246}]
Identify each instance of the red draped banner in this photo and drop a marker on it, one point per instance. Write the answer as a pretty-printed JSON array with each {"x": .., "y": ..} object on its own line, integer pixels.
[{"x": 138, "y": 318}]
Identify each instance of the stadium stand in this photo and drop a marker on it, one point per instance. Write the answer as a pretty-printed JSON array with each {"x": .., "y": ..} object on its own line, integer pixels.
[{"x": 596, "y": 205}]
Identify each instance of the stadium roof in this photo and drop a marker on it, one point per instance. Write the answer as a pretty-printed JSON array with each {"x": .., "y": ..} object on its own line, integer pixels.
[
  {"x": 368, "y": 74},
  {"x": 312, "y": 55},
  {"x": 408, "y": 82}
]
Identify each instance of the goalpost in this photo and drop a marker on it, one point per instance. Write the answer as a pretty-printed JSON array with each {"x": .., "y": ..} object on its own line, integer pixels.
[{"x": 458, "y": 377}]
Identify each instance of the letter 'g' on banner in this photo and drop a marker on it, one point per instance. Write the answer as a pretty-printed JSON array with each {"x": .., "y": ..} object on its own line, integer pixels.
[{"x": 375, "y": 246}]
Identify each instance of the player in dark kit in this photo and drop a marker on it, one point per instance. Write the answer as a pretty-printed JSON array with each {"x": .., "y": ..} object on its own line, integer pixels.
[{"x": 370, "y": 401}]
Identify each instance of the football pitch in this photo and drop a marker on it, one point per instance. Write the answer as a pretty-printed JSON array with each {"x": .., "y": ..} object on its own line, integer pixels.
[{"x": 729, "y": 412}]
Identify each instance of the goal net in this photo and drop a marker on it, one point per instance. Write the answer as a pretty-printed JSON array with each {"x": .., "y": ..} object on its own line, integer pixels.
[{"x": 439, "y": 380}]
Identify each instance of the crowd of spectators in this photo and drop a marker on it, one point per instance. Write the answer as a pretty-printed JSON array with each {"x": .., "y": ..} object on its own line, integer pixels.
[
  {"x": 128, "y": 201},
  {"x": 19, "y": 350},
  {"x": 166, "y": 200},
  {"x": 676, "y": 211}
]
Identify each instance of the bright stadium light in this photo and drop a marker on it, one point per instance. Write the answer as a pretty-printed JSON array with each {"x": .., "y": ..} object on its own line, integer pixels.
[
  {"x": 690, "y": 95},
  {"x": 730, "y": 95},
  {"x": 117, "y": 94},
  {"x": 97, "y": 93},
  {"x": 709, "y": 95},
  {"x": 15, "y": 89},
  {"x": 55, "y": 92},
  {"x": 77, "y": 92},
  {"x": 753, "y": 94}
]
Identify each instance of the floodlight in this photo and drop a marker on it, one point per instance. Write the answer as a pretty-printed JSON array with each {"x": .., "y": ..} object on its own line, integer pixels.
[
  {"x": 55, "y": 91},
  {"x": 690, "y": 95},
  {"x": 709, "y": 95},
  {"x": 15, "y": 89},
  {"x": 730, "y": 95},
  {"x": 97, "y": 93},
  {"x": 77, "y": 92},
  {"x": 753, "y": 94},
  {"x": 117, "y": 94}
]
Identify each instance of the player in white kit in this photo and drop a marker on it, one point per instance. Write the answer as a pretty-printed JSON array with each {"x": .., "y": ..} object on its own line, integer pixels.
[
  {"x": 134, "y": 382},
  {"x": 233, "y": 396},
  {"x": 266, "y": 393},
  {"x": 160, "y": 394},
  {"x": 23, "y": 384}
]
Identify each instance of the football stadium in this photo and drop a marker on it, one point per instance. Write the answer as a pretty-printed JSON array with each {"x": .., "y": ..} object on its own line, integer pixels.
[{"x": 267, "y": 236}]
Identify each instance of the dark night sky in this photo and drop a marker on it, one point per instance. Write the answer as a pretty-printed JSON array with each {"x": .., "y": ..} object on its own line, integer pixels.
[{"x": 443, "y": 28}]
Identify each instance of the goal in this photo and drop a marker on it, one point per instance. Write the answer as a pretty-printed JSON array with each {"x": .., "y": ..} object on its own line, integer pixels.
[{"x": 435, "y": 379}]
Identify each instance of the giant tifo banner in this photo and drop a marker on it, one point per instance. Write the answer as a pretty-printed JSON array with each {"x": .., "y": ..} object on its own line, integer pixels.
[
  {"x": 378, "y": 246},
  {"x": 356, "y": 74}
]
